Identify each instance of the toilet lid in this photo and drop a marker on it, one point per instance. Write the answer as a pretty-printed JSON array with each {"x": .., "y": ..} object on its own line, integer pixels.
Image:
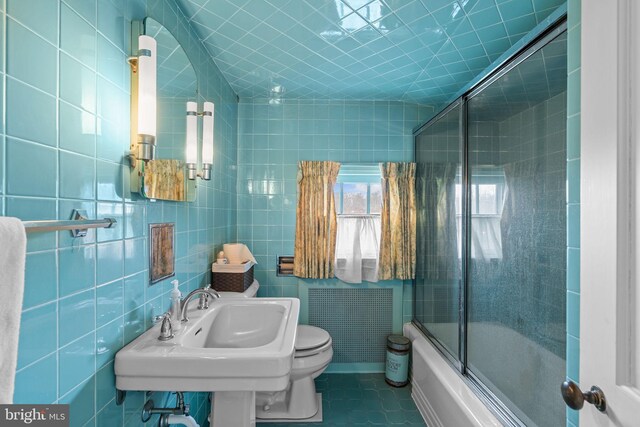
[{"x": 309, "y": 337}]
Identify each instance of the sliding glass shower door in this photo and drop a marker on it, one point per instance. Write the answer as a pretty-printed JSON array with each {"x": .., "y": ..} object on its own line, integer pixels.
[
  {"x": 490, "y": 288},
  {"x": 438, "y": 264},
  {"x": 516, "y": 290}
]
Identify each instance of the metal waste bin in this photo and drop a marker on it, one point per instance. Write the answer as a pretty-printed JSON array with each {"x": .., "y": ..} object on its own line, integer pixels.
[{"x": 397, "y": 371}]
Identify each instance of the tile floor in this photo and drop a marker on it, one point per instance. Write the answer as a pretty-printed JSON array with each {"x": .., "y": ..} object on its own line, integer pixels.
[{"x": 362, "y": 400}]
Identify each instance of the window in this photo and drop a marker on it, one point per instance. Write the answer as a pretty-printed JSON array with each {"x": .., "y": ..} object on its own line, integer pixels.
[
  {"x": 375, "y": 199},
  {"x": 486, "y": 199},
  {"x": 487, "y": 188},
  {"x": 358, "y": 190},
  {"x": 358, "y": 196}
]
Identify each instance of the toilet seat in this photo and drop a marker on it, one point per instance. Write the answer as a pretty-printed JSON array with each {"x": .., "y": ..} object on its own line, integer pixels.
[
  {"x": 314, "y": 351},
  {"x": 311, "y": 340}
]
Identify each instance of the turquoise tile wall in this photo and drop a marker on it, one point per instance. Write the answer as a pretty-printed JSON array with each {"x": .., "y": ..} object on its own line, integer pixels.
[
  {"x": 62, "y": 145},
  {"x": 274, "y": 137},
  {"x": 573, "y": 198}
]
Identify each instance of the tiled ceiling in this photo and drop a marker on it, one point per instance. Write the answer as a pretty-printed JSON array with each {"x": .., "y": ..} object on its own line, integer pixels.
[
  {"x": 541, "y": 76},
  {"x": 420, "y": 51}
]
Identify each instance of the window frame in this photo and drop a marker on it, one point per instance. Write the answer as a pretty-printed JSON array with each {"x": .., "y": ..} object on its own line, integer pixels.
[{"x": 339, "y": 202}]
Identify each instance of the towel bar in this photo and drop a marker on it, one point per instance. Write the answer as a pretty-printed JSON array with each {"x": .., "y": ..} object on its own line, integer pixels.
[{"x": 78, "y": 224}]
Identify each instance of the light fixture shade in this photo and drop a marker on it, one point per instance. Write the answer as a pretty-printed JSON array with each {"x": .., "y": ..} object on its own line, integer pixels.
[
  {"x": 147, "y": 59},
  {"x": 207, "y": 133},
  {"x": 192, "y": 133}
]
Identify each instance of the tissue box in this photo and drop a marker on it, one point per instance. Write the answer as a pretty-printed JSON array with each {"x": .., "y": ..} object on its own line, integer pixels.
[{"x": 231, "y": 277}]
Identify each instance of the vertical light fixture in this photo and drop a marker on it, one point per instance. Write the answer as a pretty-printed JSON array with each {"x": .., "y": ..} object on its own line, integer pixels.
[
  {"x": 207, "y": 140},
  {"x": 143, "y": 82},
  {"x": 192, "y": 140}
]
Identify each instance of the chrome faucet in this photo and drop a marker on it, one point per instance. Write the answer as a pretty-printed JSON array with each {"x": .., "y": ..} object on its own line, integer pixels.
[{"x": 206, "y": 291}]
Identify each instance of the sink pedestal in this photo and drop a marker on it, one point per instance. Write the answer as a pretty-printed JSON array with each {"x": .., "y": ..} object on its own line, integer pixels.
[{"x": 233, "y": 408}]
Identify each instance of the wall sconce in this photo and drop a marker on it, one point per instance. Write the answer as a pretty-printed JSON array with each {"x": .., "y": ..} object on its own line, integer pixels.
[
  {"x": 143, "y": 99},
  {"x": 192, "y": 141},
  {"x": 207, "y": 140}
]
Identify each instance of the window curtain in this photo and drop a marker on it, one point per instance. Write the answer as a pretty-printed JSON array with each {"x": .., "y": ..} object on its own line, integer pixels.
[
  {"x": 315, "y": 220},
  {"x": 398, "y": 221},
  {"x": 357, "y": 246},
  {"x": 437, "y": 224},
  {"x": 486, "y": 240}
]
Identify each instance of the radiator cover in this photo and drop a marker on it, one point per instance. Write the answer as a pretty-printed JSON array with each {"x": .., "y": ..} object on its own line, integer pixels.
[{"x": 358, "y": 321}]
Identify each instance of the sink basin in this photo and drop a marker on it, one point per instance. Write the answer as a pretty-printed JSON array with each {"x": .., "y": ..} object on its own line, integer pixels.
[
  {"x": 239, "y": 325},
  {"x": 238, "y": 344}
]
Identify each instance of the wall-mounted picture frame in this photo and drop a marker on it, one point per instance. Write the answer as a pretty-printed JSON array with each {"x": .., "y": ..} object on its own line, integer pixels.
[{"x": 161, "y": 254}]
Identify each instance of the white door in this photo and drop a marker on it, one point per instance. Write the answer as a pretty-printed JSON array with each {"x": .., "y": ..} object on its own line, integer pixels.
[{"x": 610, "y": 214}]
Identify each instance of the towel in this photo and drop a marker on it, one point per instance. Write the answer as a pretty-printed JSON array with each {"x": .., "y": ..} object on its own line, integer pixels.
[
  {"x": 232, "y": 268},
  {"x": 238, "y": 253},
  {"x": 13, "y": 246}
]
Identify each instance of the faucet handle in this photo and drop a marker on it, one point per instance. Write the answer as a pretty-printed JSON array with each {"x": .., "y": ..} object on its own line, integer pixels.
[
  {"x": 203, "y": 302},
  {"x": 166, "y": 330},
  {"x": 160, "y": 317}
]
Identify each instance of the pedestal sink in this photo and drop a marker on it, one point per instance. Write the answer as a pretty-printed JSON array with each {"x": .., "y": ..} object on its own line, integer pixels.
[{"x": 235, "y": 348}]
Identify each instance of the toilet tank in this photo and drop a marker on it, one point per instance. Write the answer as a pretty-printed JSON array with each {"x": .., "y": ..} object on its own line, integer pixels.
[{"x": 250, "y": 292}]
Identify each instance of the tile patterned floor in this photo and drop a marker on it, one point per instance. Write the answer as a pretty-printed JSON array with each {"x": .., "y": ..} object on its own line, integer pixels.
[{"x": 361, "y": 400}]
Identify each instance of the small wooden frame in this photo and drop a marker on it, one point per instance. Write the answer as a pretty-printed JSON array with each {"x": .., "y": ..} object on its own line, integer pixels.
[{"x": 161, "y": 254}]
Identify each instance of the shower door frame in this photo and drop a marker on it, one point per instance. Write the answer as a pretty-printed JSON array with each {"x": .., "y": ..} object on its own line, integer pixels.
[{"x": 504, "y": 414}]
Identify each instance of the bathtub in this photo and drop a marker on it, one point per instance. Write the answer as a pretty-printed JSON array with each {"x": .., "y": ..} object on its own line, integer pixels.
[
  {"x": 445, "y": 399},
  {"x": 441, "y": 395}
]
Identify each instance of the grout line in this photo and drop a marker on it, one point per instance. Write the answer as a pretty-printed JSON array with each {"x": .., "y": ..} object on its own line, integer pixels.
[{"x": 37, "y": 361}]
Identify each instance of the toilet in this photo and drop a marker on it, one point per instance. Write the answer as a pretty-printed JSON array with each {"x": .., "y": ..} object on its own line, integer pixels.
[
  {"x": 313, "y": 353},
  {"x": 299, "y": 401}
]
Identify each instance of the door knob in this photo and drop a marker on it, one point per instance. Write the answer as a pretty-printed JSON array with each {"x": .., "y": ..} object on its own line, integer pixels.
[{"x": 575, "y": 398}]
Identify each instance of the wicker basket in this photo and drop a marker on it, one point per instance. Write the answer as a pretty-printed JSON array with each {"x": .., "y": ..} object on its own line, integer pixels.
[{"x": 231, "y": 278}]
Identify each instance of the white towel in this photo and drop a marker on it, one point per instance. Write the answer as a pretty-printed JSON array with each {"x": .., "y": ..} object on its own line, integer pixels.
[
  {"x": 238, "y": 253},
  {"x": 13, "y": 246}
]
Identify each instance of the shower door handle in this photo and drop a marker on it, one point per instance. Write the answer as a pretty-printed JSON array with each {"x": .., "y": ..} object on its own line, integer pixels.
[{"x": 575, "y": 398}]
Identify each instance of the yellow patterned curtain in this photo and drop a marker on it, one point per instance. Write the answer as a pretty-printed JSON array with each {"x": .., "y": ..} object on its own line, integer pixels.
[
  {"x": 315, "y": 220},
  {"x": 398, "y": 218}
]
